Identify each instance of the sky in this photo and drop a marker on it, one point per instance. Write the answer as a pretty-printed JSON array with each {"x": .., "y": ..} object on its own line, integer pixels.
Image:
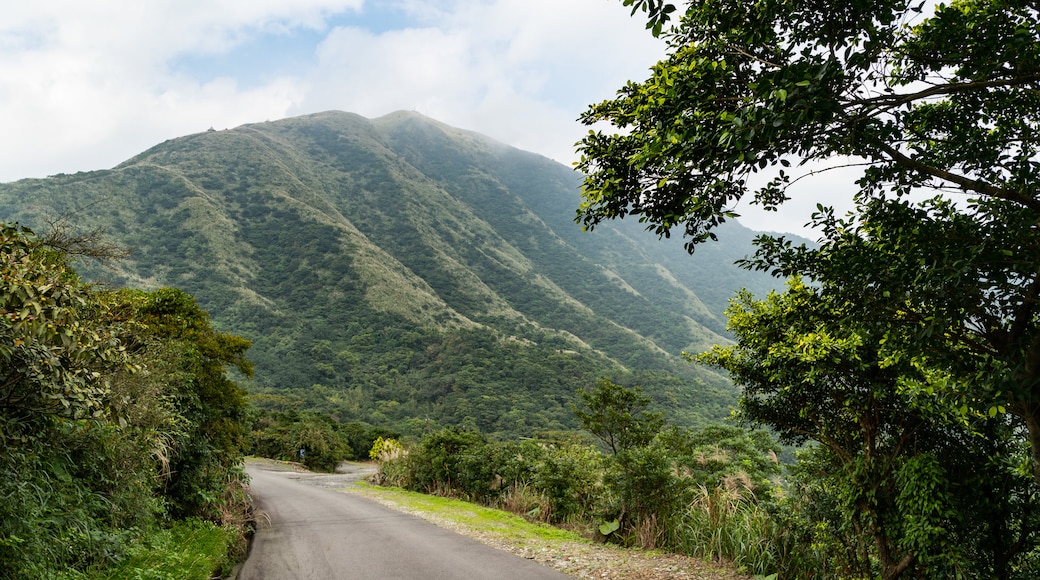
[{"x": 87, "y": 85}]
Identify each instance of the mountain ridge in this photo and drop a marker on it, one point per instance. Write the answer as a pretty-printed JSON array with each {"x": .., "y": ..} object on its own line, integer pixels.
[{"x": 376, "y": 259}]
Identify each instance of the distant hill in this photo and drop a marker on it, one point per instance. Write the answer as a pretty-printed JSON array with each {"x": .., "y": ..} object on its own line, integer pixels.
[{"x": 404, "y": 273}]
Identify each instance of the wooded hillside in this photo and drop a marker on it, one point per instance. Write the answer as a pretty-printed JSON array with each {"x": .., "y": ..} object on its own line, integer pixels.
[{"x": 400, "y": 272}]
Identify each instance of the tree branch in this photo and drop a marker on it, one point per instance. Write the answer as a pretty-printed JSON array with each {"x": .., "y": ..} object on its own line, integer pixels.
[
  {"x": 897, "y": 100},
  {"x": 967, "y": 183}
]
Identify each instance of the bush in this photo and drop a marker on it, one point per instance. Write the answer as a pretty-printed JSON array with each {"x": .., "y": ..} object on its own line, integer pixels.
[
  {"x": 644, "y": 494},
  {"x": 362, "y": 437},
  {"x": 437, "y": 463},
  {"x": 570, "y": 476},
  {"x": 188, "y": 550},
  {"x": 458, "y": 462},
  {"x": 692, "y": 492},
  {"x": 75, "y": 496},
  {"x": 385, "y": 449}
]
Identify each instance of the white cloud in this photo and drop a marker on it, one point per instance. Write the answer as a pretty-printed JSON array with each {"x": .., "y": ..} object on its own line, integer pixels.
[
  {"x": 86, "y": 85},
  {"x": 519, "y": 71}
]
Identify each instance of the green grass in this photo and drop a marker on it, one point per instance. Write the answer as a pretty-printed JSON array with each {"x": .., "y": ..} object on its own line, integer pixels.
[
  {"x": 190, "y": 550},
  {"x": 477, "y": 518}
]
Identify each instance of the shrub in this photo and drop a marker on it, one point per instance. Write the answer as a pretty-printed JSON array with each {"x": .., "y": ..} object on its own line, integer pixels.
[
  {"x": 282, "y": 435},
  {"x": 570, "y": 477},
  {"x": 385, "y": 449},
  {"x": 643, "y": 490},
  {"x": 436, "y": 464}
]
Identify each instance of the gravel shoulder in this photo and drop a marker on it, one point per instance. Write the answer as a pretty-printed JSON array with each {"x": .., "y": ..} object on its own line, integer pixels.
[{"x": 578, "y": 559}]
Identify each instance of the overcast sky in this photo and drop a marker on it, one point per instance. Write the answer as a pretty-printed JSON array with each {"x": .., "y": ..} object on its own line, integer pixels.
[{"x": 86, "y": 85}]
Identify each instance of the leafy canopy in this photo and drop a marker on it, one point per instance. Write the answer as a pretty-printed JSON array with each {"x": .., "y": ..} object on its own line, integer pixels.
[
  {"x": 916, "y": 487},
  {"x": 55, "y": 340},
  {"x": 946, "y": 101}
]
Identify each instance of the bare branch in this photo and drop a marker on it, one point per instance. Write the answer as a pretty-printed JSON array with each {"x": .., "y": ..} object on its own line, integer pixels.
[{"x": 93, "y": 244}]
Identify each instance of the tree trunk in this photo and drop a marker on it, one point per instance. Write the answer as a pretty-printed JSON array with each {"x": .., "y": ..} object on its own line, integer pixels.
[
  {"x": 1030, "y": 413},
  {"x": 890, "y": 568}
]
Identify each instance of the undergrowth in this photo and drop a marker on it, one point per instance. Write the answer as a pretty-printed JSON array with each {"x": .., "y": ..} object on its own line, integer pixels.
[{"x": 189, "y": 550}]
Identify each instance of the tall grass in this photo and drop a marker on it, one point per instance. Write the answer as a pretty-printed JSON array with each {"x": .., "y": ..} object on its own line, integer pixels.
[{"x": 725, "y": 523}]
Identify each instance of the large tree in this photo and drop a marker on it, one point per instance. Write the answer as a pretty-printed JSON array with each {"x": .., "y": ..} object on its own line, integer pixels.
[
  {"x": 947, "y": 101},
  {"x": 942, "y": 99},
  {"x": 917, "y": 488}
]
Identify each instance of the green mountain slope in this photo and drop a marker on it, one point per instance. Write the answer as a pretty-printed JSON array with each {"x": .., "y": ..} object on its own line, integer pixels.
[{"x": 402, "y": 272}]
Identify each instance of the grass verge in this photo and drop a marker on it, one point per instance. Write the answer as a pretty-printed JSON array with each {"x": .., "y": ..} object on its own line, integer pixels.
[{"x": 506, "y": 525}]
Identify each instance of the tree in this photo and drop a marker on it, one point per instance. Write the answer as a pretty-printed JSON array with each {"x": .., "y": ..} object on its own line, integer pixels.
[
  {"x": 946, "y": 101},
  {"x": 912, "y": 483},
  {"x": 617, "y": 416},
  {"x": 191, "y": 360},
  {"x": 54, "y": 339}
]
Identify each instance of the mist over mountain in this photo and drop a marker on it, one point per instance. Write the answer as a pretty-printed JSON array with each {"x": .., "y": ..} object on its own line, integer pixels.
[{"x": 404, "y": 273}]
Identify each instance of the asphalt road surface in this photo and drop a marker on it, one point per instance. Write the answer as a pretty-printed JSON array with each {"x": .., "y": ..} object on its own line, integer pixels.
[{"x": 316, "y": 533}]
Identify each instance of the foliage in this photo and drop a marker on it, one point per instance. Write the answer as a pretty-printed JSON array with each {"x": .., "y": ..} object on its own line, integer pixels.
[
  {"x": 645, "y": 493},
  {"x": 54, "y": 343},
  {"x": 617, "y": 416},
  {"x": 725, "y": 522},
  {"x": 944, "y": 100},
  {"x": 65, "y": 502},
  {"x": 188, "y": 550},
  {"x": 569, "y": 475},
  {"x": 383, "y": 449},
  {"x": 891, "y": 484},
  {"x": 325, "y": 442},
  {"x": 724, "y": 454},
  {"x": 650, "y": 494},
  {"x": 189, "y": 358},
  {"x": 439, "y": 461},
  {"x": 110, "y": 398}
]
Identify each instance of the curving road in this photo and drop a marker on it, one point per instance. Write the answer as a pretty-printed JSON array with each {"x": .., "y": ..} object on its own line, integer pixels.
[{"x": 316, "y": 533}]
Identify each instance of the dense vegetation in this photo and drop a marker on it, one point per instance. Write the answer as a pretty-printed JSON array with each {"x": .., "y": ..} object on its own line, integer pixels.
[
  {"x": 955, "y": 500},
  {"x": 122, "y": 436},
  {"x": 910, "y": 356},
  {"x": 701, "y": 492},
  {"x": 400, "y": 273}
]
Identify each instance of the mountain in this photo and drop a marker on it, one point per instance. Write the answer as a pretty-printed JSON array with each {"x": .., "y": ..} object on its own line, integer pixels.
[{"x": 405, "y": 273}]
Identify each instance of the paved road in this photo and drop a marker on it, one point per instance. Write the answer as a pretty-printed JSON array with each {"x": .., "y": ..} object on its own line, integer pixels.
[{"x": 316, "y": 533}]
